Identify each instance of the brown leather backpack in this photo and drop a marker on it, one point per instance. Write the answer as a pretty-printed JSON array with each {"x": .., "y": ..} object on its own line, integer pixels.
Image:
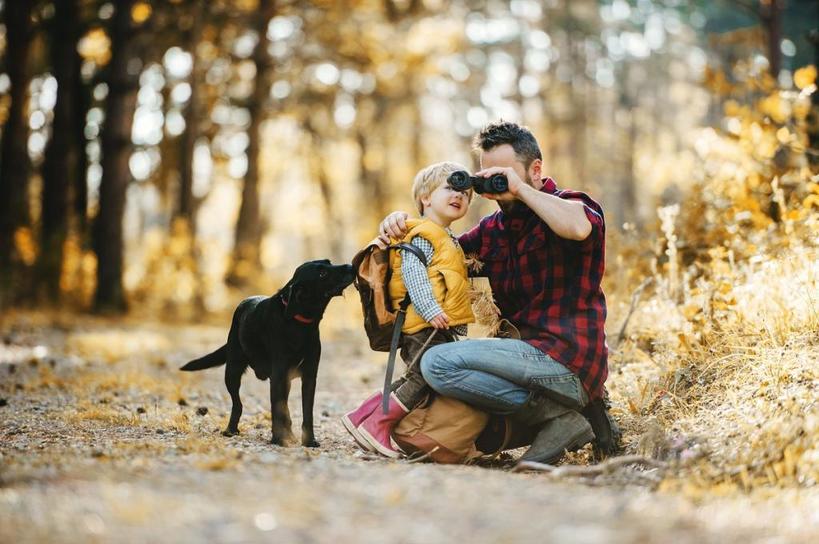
[
  {"x": 372, "y": 277},
  {"x": 449, "y": 431}
]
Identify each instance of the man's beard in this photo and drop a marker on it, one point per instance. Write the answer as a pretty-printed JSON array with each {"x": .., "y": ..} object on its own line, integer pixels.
[{"x": 512, "y": 207}]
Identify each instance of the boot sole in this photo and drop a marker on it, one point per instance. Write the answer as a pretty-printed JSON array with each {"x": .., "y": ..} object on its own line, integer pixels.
[
  {"x": 577, "y": 442},
  {"x": 378, "y": 446},
  {"x": 362, "y": 443}
]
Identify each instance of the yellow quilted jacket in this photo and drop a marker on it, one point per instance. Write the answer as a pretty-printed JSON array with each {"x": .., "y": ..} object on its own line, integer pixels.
[{"x": 447, "y": 275}]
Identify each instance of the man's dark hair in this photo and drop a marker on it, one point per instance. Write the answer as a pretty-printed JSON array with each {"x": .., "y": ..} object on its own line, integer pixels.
[{"x": 503, "y": 132}]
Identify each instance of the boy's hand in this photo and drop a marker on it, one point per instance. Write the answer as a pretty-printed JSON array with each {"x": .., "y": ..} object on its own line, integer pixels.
[
  {"x": 440, "y": 321},
  {"x": 395, "y": 225},
  {"x": 515, "y": 183}
]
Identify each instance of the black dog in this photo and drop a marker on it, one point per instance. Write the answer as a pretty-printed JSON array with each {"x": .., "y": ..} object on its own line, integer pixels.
[{"x": 278, "y": 337}]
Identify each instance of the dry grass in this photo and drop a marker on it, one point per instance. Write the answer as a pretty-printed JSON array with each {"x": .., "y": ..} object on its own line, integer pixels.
[
  {"x": 723, "y": 378},
  {"x": 86, "y": 411}
]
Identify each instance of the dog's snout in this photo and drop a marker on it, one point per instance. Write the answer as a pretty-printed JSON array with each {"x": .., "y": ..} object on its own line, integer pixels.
[{"x": 346, "y": 272}]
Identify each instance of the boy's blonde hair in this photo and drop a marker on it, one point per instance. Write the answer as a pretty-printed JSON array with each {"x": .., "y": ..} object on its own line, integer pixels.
[{"x": 430, "y": 178}]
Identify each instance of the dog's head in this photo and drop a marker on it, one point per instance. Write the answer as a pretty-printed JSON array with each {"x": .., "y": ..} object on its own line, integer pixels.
[{"x": 313, "y": 285}]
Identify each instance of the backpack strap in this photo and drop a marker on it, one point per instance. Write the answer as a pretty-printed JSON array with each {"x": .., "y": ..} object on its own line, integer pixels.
[
  {"x": 397, "y": 326},
  {"x": 404, "y": 304},
  {"x": 412, "y": 249}
]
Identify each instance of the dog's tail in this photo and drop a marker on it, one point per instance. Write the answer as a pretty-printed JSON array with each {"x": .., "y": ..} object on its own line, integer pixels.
[{"x": 210, "y": 360}]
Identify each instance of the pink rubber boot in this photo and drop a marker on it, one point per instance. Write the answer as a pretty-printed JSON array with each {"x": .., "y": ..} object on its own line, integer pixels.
[
  {"x": 377, "y": 428},
  {"x": 351, "y": 420}
]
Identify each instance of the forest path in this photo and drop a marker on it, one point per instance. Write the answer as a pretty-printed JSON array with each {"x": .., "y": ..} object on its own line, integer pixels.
[{"x": 102, "y": 439}]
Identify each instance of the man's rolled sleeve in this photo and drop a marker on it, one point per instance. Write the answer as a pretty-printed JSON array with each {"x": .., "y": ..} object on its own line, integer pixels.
[{"x": 594, "y": 213}]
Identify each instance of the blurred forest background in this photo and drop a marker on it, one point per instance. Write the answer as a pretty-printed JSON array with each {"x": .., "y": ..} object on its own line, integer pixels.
[
  {"x": 161, "y": 160},
  {"x": 158, "y": 154}
]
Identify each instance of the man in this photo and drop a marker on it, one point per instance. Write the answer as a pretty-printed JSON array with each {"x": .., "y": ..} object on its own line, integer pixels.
[{"x": 543, "y": 253}]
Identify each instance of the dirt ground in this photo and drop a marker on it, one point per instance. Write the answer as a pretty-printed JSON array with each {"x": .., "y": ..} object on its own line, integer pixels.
[{"x": 103, "y": 440}]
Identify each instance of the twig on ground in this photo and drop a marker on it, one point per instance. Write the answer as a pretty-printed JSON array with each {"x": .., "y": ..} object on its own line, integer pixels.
[
  {"x": 592, "y": 470},
  {"x": 635, "y": 297}
]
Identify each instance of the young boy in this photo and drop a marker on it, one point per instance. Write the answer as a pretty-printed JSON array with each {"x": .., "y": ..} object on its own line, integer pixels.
[{"x": 439, "y": 294}]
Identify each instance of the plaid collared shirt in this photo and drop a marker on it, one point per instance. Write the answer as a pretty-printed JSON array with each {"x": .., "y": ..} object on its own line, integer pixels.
[{"x": 548, "y": 286}]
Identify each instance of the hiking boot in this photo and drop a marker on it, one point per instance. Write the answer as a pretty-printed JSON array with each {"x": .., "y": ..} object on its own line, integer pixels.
[
  {"x": 351, "y": 420},
  {"x": 377, "y": 428},
  {"x": 537, "y": 410},
  {"x": 606, "y": 432},
  {"x": 567, "y": 432}
]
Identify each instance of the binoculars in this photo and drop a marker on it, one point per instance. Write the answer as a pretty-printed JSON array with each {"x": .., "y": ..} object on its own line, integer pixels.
[{"x": 462, "y": 181}]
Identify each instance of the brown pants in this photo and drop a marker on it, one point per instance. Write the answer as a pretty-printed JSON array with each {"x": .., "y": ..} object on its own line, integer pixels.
[{"x": 411, "y": 388}]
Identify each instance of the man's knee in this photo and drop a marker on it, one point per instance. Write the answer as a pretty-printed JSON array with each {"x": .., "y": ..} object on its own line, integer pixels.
[
  {"x": 430, "y": 363},
  {"x": 436, "y": 363}
]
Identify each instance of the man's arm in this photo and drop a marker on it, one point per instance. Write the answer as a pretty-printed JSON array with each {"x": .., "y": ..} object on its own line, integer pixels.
[{"x": 566, "y": 218}]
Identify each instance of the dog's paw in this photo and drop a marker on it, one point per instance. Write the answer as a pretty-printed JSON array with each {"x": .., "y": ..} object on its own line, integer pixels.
[
  {"x": 228, "y": 432},
  {"x": 310, "y": 443}
]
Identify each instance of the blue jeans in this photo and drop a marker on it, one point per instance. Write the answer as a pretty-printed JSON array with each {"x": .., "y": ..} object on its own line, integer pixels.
[{"x": 498, "y": 375}]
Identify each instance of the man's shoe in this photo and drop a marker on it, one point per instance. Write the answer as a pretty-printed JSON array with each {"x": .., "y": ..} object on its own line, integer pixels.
[
  {"x": 376, "y": 430},
  {"x": 568, "y": 432},
  {"x": 351, "y": 420},
  {"x": 537, "y": 410}
]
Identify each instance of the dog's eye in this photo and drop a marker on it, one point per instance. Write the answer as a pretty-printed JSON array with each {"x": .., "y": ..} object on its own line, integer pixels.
[{"x": 323, "y": 274}]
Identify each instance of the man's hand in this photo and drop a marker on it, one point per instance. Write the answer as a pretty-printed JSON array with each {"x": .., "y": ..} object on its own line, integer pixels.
[
  {"x": 515, "y": 183},
  {"x": 395, "y": 225},
  {"x": 440, "y": 321}
]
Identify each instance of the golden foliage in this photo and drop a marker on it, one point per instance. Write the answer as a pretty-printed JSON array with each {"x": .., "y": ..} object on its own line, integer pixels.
[
  {"x": 805, "y": 77},
  {"x": 25, "y": 245},
  {"x": 78, "y": 277},
  {"x": 95, "y": 46},
  {"x": 718, "y": 371},
  {"x": 140, "y": 12},
  {"x": 166, "y": 279}
]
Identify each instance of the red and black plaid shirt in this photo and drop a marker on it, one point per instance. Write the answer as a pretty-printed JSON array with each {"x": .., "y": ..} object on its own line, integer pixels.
[{"x": 548, "y": 286}]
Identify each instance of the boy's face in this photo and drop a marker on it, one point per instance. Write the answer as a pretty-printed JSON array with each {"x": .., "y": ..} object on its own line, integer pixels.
[{"x": 446, "y": 203}]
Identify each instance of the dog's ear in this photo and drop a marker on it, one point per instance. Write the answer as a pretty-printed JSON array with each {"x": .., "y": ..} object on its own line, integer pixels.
[{"x": 292, "y": 295}]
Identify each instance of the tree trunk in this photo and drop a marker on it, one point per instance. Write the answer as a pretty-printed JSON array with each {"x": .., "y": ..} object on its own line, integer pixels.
[
  {"x": 246, "y": 249},
  {"x": 14, "y": 161},
  {"x": 813, "y": 117},
  {"x": 59, "y": 165},
  {"x": 627, "y": 195},
  {"x": 577, "y": 92},
  {"x": 79, "y": 196},
  {"x": 628, "y": 191},
  {"x": 316, "y": 162},
  {"x": 371, "y": 179},
  {"x": 367, "y": 135},
  {"x": 116, "y": 147},
  {"x": 186, "y": 204},
  {"x": 770, "y": 14}
]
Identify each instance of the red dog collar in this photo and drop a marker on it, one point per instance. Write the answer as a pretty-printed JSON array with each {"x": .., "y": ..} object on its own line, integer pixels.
[
  {"x": 298, "y": 317},
  {"x": 301, "y": 319}
]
